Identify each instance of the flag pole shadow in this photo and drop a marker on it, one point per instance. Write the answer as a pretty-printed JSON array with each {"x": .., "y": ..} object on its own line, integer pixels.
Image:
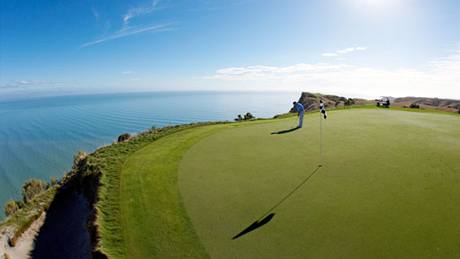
[{"x": 268, "y": 216}]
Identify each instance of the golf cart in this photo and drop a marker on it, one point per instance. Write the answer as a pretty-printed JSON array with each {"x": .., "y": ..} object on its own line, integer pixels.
[{"x": 383, "y": 102}]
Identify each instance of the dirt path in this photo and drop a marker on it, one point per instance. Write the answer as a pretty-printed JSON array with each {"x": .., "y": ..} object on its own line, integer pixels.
[{"x": 24, "y": 244}]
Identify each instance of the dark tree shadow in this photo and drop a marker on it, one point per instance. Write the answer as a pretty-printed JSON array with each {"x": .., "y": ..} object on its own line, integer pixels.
[
  {"x": 285, "y": 131},
  {"x": 267, "y": 216}
]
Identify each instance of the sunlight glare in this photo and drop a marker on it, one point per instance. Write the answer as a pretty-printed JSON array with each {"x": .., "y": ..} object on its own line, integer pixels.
[{"x": 376, "y": 4}]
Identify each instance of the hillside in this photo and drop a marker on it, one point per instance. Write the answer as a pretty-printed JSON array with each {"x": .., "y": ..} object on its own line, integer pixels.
[
  {"x": 430, "y": 103},
  {"x": 311, "y": 102}
]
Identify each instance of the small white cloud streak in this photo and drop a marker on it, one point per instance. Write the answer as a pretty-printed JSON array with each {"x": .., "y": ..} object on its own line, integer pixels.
[
  {"x": 125, "y": 32},
  {"x": 441, "y": 79},
  {"x": 22, "y": 84},
  {"x": 329, "y": 54},
  {"x": 343, "y": 51},
  {"x": 127, "y": 72},
  {"x": 139, "y": 11}
]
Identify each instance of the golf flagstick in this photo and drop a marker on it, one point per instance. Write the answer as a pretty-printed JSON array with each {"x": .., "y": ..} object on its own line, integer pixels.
[{"x": 320, "y": 139}]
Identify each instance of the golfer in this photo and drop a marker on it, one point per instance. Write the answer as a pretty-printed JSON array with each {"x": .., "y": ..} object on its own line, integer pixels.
[
  {"x": 322, "y": 109},
  {"x": 298, "y": 107}
]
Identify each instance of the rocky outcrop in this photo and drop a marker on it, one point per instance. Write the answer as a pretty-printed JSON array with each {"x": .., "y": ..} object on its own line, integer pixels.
[{"x": 311, "y": 101}]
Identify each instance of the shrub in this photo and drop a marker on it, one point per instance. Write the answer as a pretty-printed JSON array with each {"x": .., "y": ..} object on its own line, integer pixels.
[
  {"x": 11, "y": 207},
  {"x": 349, "y": 102},
  {"x": 53, "y": 181},
  {"x": 78, "y": 158},
  {"x": 249, "y": 116},
  {"x": 32, "y": 188},
  {"x": 124, "y": 137},
  {"x": 414, "y": 106}
]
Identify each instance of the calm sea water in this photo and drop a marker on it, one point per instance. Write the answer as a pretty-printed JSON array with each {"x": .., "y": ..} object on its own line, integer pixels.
[{"x": 38, "y": 137}]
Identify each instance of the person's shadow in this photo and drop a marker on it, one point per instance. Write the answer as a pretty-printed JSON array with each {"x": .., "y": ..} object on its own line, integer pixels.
[{"x": 285, "y": 131}]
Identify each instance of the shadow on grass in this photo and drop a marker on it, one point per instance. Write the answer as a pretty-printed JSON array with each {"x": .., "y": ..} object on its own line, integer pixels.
[
  {"x": 257, "y": 224},
  {"x": 267, "y": 216},
  {"x": 285, "y": 131}
]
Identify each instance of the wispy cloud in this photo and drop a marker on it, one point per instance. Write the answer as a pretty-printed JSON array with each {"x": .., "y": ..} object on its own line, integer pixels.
[
  {"x": 139, "y": 11},
  {"x": 343, "y": 51},
  {"x": 95, "y": 12},
  {"x": 129, "y": 31},
  {"x": 21, "y": 84},
  {"x": 127, "y": 72},
  {"x": 441, "y": 78}
]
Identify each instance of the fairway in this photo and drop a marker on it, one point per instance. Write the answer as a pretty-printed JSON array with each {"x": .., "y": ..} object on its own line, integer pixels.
[{"x": 389, "y": 188}]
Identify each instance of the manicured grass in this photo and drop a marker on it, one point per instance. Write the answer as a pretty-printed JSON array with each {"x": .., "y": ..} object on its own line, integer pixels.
[
  {"x": 155, "y": 224},
  {"x": 389, "y": 187},
  {"x": 113, "y": 205}
]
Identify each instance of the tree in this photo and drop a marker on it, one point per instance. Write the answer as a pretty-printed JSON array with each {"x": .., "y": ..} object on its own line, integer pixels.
[
  {"x": 32, "y": 188},
  {"x": 10, "y": 207}
]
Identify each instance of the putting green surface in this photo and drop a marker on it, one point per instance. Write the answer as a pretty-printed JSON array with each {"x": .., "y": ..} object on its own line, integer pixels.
[{"x": 389, "y": 188}]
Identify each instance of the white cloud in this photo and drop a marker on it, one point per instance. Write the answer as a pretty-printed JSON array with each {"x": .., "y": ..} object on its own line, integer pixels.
[
  {"x": 127, "y": 72},
  {"x": 440, "y": 79},
  {"x": 128, "y": 31},
  {"x": 343, "y": 51},
  {"x": 329, "y": 54},
  {"x": 139, "y": 11}
]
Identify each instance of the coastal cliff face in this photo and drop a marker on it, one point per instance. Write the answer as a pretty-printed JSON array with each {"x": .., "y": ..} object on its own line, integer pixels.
[{"x": 69, "y": 231}]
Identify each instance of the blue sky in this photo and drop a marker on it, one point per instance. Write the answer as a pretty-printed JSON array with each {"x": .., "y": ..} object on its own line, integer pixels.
[{"x": 351, "y": 47}]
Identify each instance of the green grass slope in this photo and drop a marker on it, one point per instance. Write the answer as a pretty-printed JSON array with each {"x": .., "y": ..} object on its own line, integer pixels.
[
  {"x": 155, "y": 224},
  {"x": 389, "y": 187}
]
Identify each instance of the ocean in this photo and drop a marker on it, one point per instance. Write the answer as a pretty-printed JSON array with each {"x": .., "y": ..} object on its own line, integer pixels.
[{"x": 39, "y": 136}]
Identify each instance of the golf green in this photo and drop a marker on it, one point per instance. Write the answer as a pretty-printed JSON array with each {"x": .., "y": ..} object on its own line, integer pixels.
[{"x": 389, "y": 187}]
